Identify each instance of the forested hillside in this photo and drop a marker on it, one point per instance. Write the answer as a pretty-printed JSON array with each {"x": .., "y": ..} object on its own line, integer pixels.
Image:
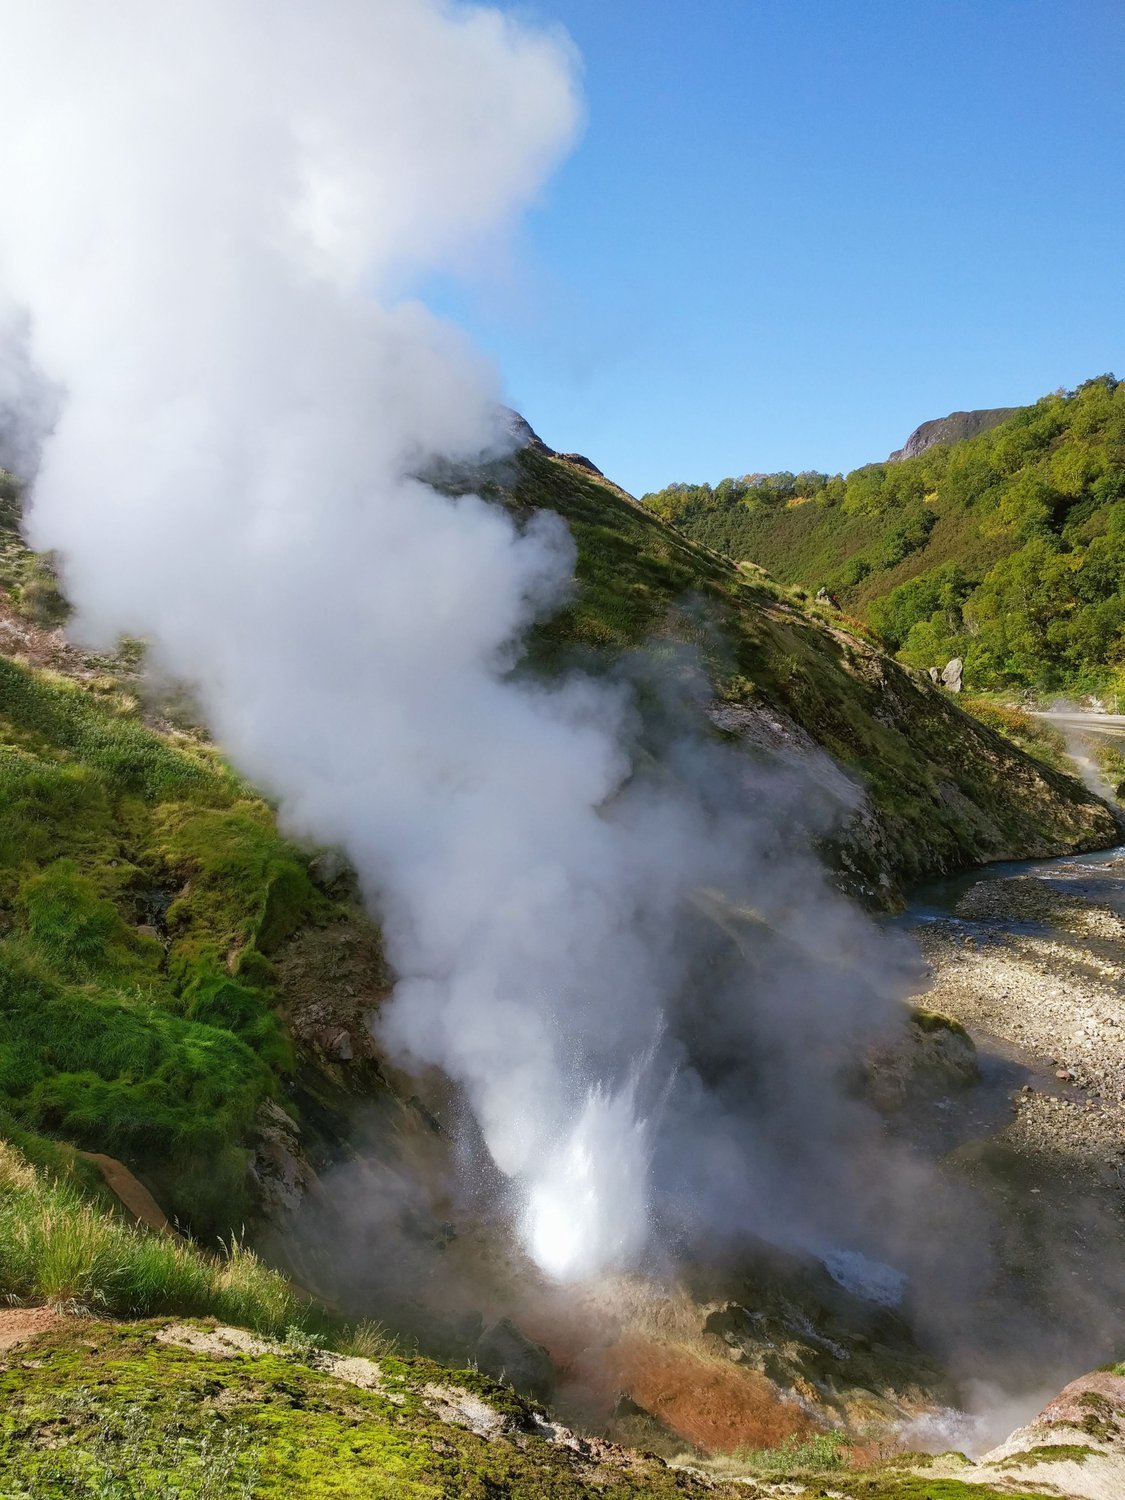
[{"x": 1007, "y": 549}]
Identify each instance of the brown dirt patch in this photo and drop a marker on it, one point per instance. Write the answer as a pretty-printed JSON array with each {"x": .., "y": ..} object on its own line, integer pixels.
[
  {"x": 38, "y": 645},
  {"x": 19, "y": 1324},
  {"x": 715, "y": 1406}
]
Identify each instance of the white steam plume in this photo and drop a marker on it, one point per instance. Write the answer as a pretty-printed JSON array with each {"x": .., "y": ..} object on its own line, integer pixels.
[
  {"x": 207, "y": 211},
  {"x": 210, "y": 212}
]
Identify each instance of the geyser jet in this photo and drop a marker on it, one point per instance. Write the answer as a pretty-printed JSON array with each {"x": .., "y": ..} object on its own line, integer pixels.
[{"x": 211, "y": 214}]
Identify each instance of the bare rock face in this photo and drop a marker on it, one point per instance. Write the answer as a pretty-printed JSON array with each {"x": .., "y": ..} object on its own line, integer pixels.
[
  {"x": 329, "y": 870},
  {"x": 582, "y": 462},
  {"x": 955, "y": 428},
  {"x": 280, "y": 1169}
]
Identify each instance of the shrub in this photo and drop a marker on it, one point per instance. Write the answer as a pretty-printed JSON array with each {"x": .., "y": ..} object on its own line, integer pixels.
[{"x": 816, "y": 1454}]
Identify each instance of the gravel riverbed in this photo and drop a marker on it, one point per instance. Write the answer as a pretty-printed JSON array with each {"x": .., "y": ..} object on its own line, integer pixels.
[{"x": 1035, "y": 962}]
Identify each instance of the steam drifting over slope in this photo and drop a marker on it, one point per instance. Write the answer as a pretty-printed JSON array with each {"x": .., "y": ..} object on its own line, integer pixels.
[{"x": 211, "y": 213}]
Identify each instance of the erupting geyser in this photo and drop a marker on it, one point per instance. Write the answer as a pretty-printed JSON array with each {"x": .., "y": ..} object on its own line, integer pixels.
[
  {"x": 587, "y": 1208},
  {"x": 213, "y": 215}
]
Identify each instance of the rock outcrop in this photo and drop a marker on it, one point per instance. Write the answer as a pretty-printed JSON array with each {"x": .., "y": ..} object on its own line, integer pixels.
[
  {"x": 953, "y": 675},
  {"x": 1075, "y": 1447},
  {"x": 954, "y": 428}
]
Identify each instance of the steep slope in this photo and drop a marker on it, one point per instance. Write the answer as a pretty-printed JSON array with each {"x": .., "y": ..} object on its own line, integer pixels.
[
  {"x": 1006, "y": 548},
  {"x": 935, "y": 789},
  {"x": 185, "y": 990}
]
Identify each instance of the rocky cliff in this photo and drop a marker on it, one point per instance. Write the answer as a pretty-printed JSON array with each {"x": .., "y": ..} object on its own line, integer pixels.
[{"x": 954, "y": 428}]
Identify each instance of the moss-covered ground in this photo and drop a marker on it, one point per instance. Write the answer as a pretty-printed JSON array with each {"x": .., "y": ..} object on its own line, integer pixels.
[
  {"x": 143, "y": 1412},
  {"x": 111, "y": 1405},
  {"x": 142, "y": 890}
]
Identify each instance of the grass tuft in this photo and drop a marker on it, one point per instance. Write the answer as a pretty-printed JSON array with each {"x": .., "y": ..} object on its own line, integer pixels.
[{"x": 59, "y": 1249}]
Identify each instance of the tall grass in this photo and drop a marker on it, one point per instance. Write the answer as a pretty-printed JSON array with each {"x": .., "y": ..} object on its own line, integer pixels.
[{"x": 56, "y": 1248}]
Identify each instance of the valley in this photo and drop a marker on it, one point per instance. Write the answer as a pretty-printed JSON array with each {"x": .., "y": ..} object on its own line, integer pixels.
[
  {"x": 530, "y": 976},
  {"x": 993, "y": 537},
  {"x": 369, "y": 1188}
]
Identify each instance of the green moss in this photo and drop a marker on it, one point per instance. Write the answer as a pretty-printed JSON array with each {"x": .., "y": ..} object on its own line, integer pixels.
[
  {"x": 917, "y": 1487},
  {"x": 280, "y": 1424},
  {"x": 141, "y": 891},
  {"x": 78, "y": 932},
  {"x": 932, "y": 1021},
  {"x": 1101, "y": 1419},
  {"x": 1050, "y": 1453}
]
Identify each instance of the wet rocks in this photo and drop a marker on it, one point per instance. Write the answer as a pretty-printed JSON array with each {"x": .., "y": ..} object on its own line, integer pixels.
[
  {"x": 329, "y": 869},
  {"x": 935, "y": 1055},
  {"x": 282, "y": 1174}
]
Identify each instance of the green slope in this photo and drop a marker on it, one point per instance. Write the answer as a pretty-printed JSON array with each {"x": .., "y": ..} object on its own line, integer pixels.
[
  {"x": 147, "y": 907},
  {"x": 942, "y": 790},
  {"x": 1007, "y": 549}
]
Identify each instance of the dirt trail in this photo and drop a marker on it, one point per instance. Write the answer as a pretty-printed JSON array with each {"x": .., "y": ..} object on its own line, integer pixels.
[
  {"x": 18, "y": 1324},
  {"x": 132, "y": 1193}
]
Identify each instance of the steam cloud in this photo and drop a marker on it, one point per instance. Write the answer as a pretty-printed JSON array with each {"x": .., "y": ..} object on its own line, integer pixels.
[{"x": 213, "y": 214}]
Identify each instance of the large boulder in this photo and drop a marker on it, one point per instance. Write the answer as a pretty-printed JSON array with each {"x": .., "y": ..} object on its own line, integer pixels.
[{"x": 951, "y": 677}]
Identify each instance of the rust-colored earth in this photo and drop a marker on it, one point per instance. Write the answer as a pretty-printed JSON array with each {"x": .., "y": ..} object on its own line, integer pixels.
[{"x": 716, "y": 1406}]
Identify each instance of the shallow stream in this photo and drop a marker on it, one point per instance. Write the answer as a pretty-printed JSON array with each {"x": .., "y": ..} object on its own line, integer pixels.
[{"x": 1095, "y": 877}]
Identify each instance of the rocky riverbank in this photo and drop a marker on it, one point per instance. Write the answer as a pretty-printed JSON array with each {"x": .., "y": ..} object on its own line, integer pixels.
[{"x": 1035, "y": 963}]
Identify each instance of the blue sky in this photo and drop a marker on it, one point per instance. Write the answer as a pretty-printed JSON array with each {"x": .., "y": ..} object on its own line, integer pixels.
[{"x": 794, "y": 229}]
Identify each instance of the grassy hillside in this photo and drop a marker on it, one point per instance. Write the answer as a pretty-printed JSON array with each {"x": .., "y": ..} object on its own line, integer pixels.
[
  {"x": 170, "y": 975},
  {"x": 942, "y": 790},
  {"x": 142, "y": 889},
  {"x": 1007, "y": 549}
]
